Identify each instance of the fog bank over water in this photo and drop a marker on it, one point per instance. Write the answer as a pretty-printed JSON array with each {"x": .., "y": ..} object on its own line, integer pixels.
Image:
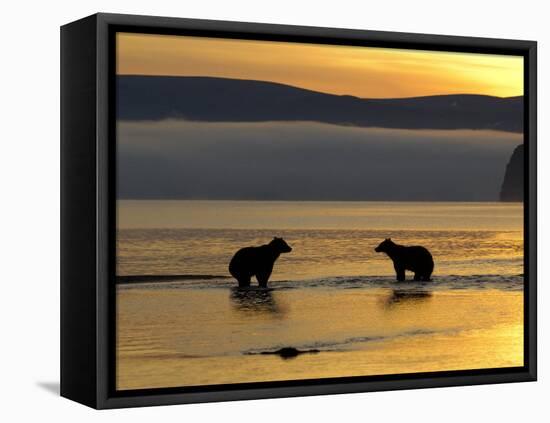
[{"x": 176, "y": 159}]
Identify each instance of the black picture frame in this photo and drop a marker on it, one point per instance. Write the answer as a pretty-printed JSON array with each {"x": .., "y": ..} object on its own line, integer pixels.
[{"x": 88, "y": 201}]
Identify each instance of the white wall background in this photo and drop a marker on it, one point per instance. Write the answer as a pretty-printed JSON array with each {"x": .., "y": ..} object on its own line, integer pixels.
[{"x": 30, "y": 214}]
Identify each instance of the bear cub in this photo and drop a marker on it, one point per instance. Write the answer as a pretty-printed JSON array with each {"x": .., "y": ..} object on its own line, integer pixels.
[
  {"x": 257, "y": 261},
  {"x": 416, "y": 259}
]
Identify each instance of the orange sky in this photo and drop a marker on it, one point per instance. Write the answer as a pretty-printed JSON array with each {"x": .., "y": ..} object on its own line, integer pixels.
[{"x": 361, "y": 71}]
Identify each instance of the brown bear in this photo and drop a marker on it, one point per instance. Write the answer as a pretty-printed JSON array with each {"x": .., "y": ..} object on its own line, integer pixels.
[
  {"x": 257, "y": 261},
  {"x": 416, "y": 259}
]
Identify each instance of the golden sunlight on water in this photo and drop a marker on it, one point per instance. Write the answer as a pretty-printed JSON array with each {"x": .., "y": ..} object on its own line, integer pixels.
[
  {"x": 328, "y": 239},
  {"x": 181, "y": 337},
  {"x": 334, "y": 298},
  {"x": 383, "y": 215}
]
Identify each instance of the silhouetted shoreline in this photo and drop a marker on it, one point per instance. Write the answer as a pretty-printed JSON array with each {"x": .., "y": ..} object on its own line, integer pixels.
[
  {"x": 254, "y": 293},
  {"x": 164, "y": 278}
]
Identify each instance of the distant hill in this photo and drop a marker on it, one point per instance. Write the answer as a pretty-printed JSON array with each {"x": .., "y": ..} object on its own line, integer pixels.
[
  {"x": 512, "y": 186},
  {"x": 234, "y": 100}
]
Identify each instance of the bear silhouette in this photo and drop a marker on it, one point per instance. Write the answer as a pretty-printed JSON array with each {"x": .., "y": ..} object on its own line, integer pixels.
[
  {"x": 257, "y": 261},
  {"x": 416, "y": 259}
]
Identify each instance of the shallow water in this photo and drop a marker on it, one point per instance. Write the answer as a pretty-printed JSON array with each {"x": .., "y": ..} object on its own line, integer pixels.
[
  {"x": 328, "y": 239},
  {"x": 184, "y": 337},
  {"x": 333, "y": 295}
]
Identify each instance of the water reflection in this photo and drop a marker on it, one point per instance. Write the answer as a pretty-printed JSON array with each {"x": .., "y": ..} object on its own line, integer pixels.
[
  {"x": 400, "y": 297},
  {"x": 251, "y": 300}
]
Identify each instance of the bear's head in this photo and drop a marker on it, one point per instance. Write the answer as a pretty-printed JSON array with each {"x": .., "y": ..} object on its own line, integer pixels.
[
  {"x": 385, "y": 246},
  {"x": 279, "y": 245}
]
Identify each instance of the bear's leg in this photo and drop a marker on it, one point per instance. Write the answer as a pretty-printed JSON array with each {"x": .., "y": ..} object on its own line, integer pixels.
[
  {"x": 263, "y": 278},
  {"x": 400, "y": 273},
  {"x": 244, "y": 281},
  {"x": 418, "y": 277}
]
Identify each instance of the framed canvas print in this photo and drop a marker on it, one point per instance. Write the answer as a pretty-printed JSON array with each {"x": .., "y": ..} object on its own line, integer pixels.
[{"x": 257, "y": 211}]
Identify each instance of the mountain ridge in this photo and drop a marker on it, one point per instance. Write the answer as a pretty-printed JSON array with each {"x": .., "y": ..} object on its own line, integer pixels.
[{"x": 209, "y": 99}]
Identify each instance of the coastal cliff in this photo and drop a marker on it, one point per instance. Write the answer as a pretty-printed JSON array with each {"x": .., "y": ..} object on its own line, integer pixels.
[{"x": 512, "y": 186}]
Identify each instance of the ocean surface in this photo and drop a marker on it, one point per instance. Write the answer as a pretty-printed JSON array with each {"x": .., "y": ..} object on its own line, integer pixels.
[{"x": 181, "y": 322}]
